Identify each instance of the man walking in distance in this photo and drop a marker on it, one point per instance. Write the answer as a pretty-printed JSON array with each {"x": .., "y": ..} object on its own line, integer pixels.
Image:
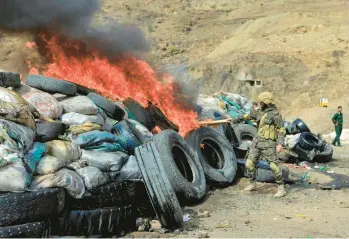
[
  {"x": 337, "y": 119},
  {"x": 269, "y": 141}
]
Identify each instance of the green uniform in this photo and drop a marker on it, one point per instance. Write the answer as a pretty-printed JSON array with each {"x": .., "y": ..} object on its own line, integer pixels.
[
  {"x": 337, "y": 118},
  {"x": 270, "y": 133}
]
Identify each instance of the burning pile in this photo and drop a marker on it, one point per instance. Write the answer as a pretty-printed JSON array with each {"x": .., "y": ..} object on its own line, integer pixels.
[
  {"x": 100, "y": 58},
  {"x": 126, "y": 78}
]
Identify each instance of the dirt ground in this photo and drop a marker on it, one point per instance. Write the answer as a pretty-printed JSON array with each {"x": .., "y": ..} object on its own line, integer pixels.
[
  {"x": 299, "y": 49},
  {"x": 306, "y": 212}
]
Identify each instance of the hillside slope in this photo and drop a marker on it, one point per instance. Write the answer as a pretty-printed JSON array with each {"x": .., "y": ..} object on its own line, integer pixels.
[{"x": 298, "y": 48}]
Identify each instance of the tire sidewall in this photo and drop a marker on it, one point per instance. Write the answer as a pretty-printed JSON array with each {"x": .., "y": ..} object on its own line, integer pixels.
[{"x": 190, "y": 190}]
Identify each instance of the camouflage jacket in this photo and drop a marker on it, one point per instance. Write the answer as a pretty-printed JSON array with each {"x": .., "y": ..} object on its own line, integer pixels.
[{"x": 273, "y": 117}]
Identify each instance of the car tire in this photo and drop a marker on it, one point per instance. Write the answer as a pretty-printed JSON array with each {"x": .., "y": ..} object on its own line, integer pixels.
[
  {"x": 325, "y": 155},
  {"x": 301, "y": 126},
  {"x": 84, "y": 90},
  {"x": 17, "y": 208},
  {"x": 30, "y": 230},
  {"x": 140, "y": 113},
  {"x": 9, "y": 79},
  {"x": 309, "y": 141},
  {"x": 303, "y": 155},
  {"x": 159, "y": 189},
  {"x": 111, "y": 109},
  {"x": 160, "y": 119},
  {"x": 216, "y": 155},
  {"x": 245, "y": 134},
  {"x": 101, "y": 221},
  {"x": 228, "y": 131},
  {"x": 182, "y": 166},
  {"x": 113, "y": 194},
  {"x": 51, "y": 85}
]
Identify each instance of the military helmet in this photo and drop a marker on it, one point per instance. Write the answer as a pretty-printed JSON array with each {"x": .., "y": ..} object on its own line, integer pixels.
[{"x": 266, "y": 98}]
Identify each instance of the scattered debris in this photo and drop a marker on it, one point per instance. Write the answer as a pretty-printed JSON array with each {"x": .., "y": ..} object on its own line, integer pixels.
[
  {"x": 143, "y": 224},
  {"x": 223, "y": 224},
  {"x": 186, "y": 217},
  {"x": 305, "y": 165},
  {"x": 203, "y": 234},
  {"x": 203, "y": 214},
  {"x": 155, "y": 225}
]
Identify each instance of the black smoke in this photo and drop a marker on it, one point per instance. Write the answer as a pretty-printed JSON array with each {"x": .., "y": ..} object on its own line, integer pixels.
[
  {"x": 186, "y": 87},
  {"x": 72, "y": 19}
]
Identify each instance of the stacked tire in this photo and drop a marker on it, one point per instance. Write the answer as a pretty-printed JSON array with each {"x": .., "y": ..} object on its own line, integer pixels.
[
  {"x": 28, "y": 214},
  {"x": 109, "y": 210},
  {"x": 312, "y": 148},
  {"x": 216, "y": 155}
]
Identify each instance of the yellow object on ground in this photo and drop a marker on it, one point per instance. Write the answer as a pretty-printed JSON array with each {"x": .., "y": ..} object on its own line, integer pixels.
[{"x": 323, "y": 102}]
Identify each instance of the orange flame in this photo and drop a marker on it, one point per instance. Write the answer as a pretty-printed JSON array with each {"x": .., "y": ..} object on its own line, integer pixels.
[{"x": 128, "y": 78}]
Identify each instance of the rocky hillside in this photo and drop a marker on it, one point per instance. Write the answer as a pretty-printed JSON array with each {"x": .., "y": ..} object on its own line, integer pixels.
[{"x": 297, "y": 48}]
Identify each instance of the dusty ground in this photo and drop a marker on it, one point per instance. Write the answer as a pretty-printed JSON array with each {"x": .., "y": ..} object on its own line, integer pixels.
[
  {"x": 298, "y": 48},
  {"x": 305, "y": 212}
]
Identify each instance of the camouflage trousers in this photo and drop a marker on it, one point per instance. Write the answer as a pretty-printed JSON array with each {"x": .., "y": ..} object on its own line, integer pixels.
[{"x": 263, "y": 149}]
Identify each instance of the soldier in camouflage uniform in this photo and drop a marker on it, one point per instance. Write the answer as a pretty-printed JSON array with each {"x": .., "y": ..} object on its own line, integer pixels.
[{"x": 268, "y": 142}]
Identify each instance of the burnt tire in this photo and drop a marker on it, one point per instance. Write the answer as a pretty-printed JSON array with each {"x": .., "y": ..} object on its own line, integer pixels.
[
  {"x": 301, "y": 126},
  {"x": 47, "y": 131},
  {"x": 102, "y": 221},
  {"x": 182, "y": 166},
  {"x": 303, "y": 155},
  {"x": 111, "y": 109},
  {"x": 140, "y": 113},
  {"x": 32, "y": 230},
  {"x": 309, "y": 141},
  {"x": 216, "y": 155},
  {"x": 160, "y": 119},
  {"x": 51, "y": 85},
  {"x": 160, "y": 191},
  {"x": 111, "y": 195},
  {"x": 245, "y": 134},
  {"x": 325, "y": 155},
  {"x": 130, "y": 135},
  {"x": 17, "y": 208},
  {"x": 227, "y": 130},
  {"x": 9, "y": 79},
  {"x": 84, "y": 90}
]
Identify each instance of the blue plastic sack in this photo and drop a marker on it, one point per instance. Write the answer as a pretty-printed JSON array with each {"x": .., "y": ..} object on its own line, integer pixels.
[
  {"x": 95, "y": 138},
  {"x": 32, "y": 159},
  {"x": 131, "y": 137},
  {"x": 261, "y": 164},
  {"x": 106, "y": 147}
]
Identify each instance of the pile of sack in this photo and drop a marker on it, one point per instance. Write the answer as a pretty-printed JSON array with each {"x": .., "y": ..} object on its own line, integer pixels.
[
  {"x": 51, "y": 136},
  {"x": 222, "y": 105}
]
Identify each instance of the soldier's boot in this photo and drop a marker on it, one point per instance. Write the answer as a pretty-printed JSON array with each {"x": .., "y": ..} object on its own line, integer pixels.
[
  {"x": 251, "y": 186},
  {"x": 281, "y": 191}
]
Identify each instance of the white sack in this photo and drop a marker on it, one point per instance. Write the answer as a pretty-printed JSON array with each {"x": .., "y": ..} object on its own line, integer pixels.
[
  {"x": 64, "y": 178},
  {"x": 79, "y": 104},
  {"x": 93, "y": 177},
  {"x": 107, "y": 162}
]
